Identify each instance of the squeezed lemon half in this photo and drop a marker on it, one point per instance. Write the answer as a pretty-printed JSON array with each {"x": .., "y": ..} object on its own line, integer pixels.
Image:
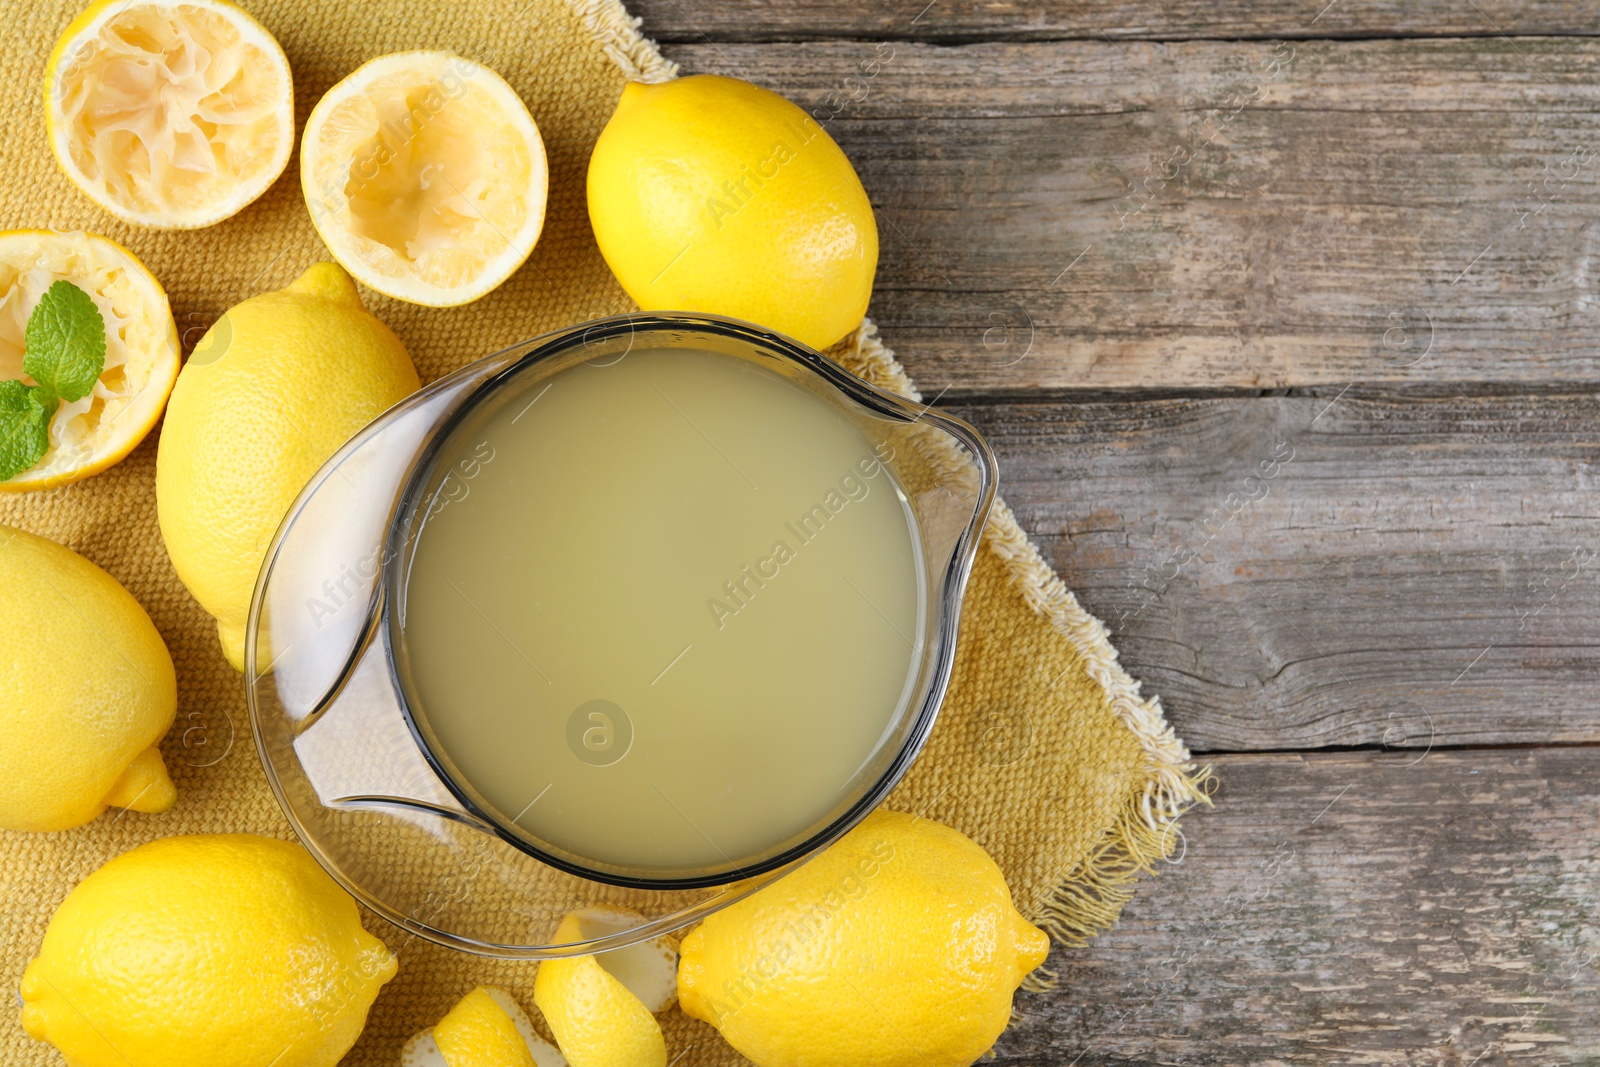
[
  {"x": 89, "y": 435},
  {"x": 172, "y": 115},
  {"x": 425, "y": 176}
]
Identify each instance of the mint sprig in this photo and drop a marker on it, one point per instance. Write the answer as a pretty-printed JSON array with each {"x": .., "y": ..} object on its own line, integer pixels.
[
  {"x": 64, "y": 351},
  {"x": 65, "y": 343},
  {"x": 25, "y": 413}
]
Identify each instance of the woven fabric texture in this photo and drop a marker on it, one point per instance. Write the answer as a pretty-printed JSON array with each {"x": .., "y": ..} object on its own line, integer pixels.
[{"x": 1045, "y": 753}]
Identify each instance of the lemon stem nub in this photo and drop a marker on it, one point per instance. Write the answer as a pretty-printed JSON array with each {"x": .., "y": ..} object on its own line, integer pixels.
[
  {"x": 145, "y": 786},
  {"x": 330, "y": 282}
]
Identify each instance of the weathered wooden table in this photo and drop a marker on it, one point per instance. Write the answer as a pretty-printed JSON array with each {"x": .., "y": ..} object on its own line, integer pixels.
[{"x": 1283, "y": 318}]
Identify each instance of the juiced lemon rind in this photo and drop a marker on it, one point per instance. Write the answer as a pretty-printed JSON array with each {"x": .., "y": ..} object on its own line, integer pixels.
[
  {"x": 141, "y": 362},
  {"x": 173, "y": 116},
  {"x": 648, "y": 969},
  {"x": 425, "y": 176},
  {"x": 596, "y": 1018},
  {"x": 421, "y": 1050}
]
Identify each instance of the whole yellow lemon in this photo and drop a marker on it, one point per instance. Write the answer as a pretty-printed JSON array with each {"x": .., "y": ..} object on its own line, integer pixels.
[
  {"x": 711, "y": 194},
  {"x": 270, "y": 392},
  {"x": 86, "y": 691},
  {"x": 898, "y": 947},
  {"x": 205, "y": 951}
]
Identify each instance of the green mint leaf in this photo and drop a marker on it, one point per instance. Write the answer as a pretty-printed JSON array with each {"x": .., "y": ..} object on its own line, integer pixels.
[
  {"x": 25, "y": 413},
  {"x": 64, "y": 347}
]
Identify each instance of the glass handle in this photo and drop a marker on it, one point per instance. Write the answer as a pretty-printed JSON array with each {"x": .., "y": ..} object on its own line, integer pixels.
[{"x": 382, "y": 803}]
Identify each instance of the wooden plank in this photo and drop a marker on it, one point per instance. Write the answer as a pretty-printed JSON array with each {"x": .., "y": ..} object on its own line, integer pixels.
[
  {"x": 1352, "y": 909},
  {"x": 1306, "y": 571},
  {"x": 696, "y": 21},
  {"x": 1233, "y": 214}
]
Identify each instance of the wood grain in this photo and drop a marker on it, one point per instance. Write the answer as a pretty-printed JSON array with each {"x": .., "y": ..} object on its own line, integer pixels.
[
  {"x": 968, "y": 20},
  {"x": 1287, "y": 352},
  {"x": 1305, "y": 571},
  {"x": 1352, "y": 909},
  {"x": 1091, "y": 215}
]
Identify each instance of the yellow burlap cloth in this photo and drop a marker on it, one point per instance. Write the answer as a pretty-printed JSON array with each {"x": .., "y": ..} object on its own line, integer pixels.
[{"x": 1044, "y": 753}]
